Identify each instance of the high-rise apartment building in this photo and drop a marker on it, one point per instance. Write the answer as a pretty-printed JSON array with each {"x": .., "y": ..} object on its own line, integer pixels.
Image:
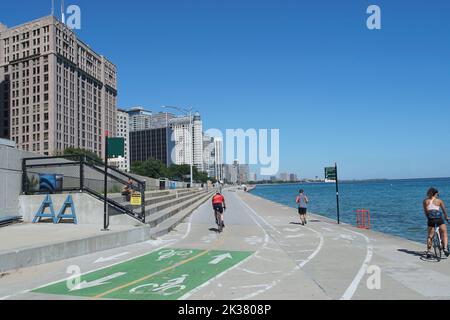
[
  {"x": 252, "y": 177},
  {"x": 141, "y": 119},
  {"x": 218, "y": 159},
  {"x": 55, "y": 91},
  {"x": 188, "y": 138},
  {"x": 123, "y": 131},
  {"x": 198, "y": 142},
  {"x": 208, "y": 155},
  {"x": 151, "y": 144}
]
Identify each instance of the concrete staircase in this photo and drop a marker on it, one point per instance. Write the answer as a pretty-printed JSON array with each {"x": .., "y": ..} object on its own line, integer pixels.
[{"x": 170, "y": 205}]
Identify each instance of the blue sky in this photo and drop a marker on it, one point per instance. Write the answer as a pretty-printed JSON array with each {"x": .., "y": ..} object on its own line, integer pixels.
[{"x": 377, "y": 102}]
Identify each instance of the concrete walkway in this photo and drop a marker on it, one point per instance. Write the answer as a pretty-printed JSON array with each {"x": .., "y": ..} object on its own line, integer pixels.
[{"x": 322, "y": 260}]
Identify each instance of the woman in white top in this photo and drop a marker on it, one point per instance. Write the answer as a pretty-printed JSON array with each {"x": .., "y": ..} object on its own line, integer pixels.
[{"x": 432, "y": 206}]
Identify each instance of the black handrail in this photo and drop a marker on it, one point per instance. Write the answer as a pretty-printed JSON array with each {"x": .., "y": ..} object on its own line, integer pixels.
[
  {"x": 100, "y": 163},
  {"x": 98, "y": 166}
]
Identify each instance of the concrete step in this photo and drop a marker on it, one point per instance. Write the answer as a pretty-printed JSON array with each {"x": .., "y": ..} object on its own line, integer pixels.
[
  {"x": 157, "y": 218},
  {"x": 153, "y": 196},
  {"x": 169, "y": 224},
  {"x": 159, "y": 199},
  {"x": 159, "y": 204},
  {"x": 154, "y": 208}
]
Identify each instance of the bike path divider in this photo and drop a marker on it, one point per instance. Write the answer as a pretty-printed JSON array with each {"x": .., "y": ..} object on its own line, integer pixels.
[{"x": 166, "y": 274}]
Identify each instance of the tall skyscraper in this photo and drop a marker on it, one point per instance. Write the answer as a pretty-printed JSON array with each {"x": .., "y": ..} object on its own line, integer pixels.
[
  {"x": 188, "y": 138},
  {"x": 208, "y": 155},
  {"x": 243, "y": 172},
  {"x": 284, "y": 176},
  {"x": 123, "y": 131},
  {"x": 55, "y": 91},
  {"x": 252, "y": 177},
  {"x": 141, "y": 119},
  {"x": 198, "y": 142},
  {"x": 231, "y": 172},
  {"x": 151, "y": 144},
  {"x": 218, "y": 159}
]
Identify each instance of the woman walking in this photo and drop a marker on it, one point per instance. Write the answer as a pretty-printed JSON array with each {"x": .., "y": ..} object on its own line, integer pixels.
[
  {"x": 432, "y": 207},
  {"x": 302, "y": 201}
]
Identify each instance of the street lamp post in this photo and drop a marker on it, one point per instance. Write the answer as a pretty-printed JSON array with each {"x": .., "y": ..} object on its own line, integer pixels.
[{"x": 187, "y": 112}]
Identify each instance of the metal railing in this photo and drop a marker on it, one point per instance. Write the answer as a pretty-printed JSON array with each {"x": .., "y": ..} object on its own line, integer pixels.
[{"x": 81, "y": 173}]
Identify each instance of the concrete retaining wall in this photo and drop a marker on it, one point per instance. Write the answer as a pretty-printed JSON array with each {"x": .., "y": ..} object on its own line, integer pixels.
[
  {"x": 11, "y": 178},
  {"x": 34, "y": 256},
  {"x": 88, "y": 209}
]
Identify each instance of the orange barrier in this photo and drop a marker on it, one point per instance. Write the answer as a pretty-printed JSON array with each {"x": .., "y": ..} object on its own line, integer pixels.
[{"x": 363, "y": 219}]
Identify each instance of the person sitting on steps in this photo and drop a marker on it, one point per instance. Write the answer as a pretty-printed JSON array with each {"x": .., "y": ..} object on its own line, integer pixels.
[{"x": 127, "y": 190}]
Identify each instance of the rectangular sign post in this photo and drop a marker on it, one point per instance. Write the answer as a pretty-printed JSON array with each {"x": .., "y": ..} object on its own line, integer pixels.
[
  {"x": 105, "y": 205},
  {"x": 114, "y": 148},
  {"x": 337, "y": 194},
  {"x": 331, "y": 174}
]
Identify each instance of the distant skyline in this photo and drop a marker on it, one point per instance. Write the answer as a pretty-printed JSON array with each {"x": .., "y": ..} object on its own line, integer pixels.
[{"x": 377, "y": 102}]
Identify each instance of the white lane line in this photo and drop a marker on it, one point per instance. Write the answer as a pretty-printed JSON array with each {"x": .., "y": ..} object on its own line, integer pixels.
[
  {"x": 259, "y": 273},
  {"x": 295, "y": 236},
  {"x": 316, "y": 232},
  {"x": 193, "y": 291},
  {"x": 348, "y": 294},
  {"x": 117, "y": 263},
  {"x": 296, "y": 268},
  {"x": 4, "y": 298},
  {"x": 252, "y": 286}
]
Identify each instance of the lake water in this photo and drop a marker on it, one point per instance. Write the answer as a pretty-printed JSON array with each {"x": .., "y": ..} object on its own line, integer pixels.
[{"x": 395, "y": 205}]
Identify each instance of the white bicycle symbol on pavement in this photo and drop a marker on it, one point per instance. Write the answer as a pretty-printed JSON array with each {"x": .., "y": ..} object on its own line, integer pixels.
[
  {"x": 166, "y": 254},
  {"x": 166, "y": 289}
]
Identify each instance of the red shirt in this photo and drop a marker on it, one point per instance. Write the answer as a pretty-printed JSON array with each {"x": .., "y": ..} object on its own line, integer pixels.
[{"x": 218, "y": 199}]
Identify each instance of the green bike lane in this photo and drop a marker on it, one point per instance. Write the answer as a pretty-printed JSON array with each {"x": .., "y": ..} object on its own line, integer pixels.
[{"x": 166, "y": 274}]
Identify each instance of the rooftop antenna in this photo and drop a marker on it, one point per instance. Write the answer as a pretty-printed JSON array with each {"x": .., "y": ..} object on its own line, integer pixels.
[
  {"x": 53, "y": 8},
  {"x": 63, "y": 18}
]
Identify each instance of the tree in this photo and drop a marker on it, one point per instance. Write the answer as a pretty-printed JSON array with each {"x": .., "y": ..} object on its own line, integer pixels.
[
  {"x": 200, "y": 176},
  {"x": 179, "y": 172},
  {"x": 84, "y": 152},
  {"x": 150, "y": 168}
]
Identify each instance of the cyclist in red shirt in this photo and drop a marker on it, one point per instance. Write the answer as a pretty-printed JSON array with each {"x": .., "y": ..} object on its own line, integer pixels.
[{"x": 218, "y": 202}]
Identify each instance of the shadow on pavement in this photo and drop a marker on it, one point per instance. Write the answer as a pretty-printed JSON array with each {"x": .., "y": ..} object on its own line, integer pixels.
[{"x": 414, "y": 253}]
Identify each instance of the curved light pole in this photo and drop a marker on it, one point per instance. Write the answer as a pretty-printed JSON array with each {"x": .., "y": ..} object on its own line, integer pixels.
[{"x": 187, "y": 112}]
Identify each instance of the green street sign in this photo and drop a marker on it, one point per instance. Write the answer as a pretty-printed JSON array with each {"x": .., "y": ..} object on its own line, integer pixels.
[
  {"x": 330, "y": 173},
  {"x": 116, "y": 147}
]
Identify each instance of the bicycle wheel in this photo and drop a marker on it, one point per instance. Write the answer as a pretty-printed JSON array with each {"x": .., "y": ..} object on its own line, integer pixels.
[
  {"x": 219, "y": 223},
  {"x": 437, "y": 247}
]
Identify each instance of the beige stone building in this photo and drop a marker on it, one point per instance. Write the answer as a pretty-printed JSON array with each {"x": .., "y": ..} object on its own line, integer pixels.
[{"x": 55, "y": 91}]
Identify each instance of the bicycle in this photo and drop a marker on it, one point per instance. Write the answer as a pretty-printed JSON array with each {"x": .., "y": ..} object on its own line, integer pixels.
[
  {"x": 218, "y": 221},
  {"x": 437, "y": 243}
]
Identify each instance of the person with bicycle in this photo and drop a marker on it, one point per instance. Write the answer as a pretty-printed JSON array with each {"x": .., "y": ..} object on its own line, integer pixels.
[
  {"x": 432, "y": 207},
  {"x": 218, "y": 202}
]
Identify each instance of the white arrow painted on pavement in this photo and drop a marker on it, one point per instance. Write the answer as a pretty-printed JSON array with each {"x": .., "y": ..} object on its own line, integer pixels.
[
  {"x": 95, "y": 283},
  {"x": 221, "y": 257},
  {"x": 115, "y": 257}
]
